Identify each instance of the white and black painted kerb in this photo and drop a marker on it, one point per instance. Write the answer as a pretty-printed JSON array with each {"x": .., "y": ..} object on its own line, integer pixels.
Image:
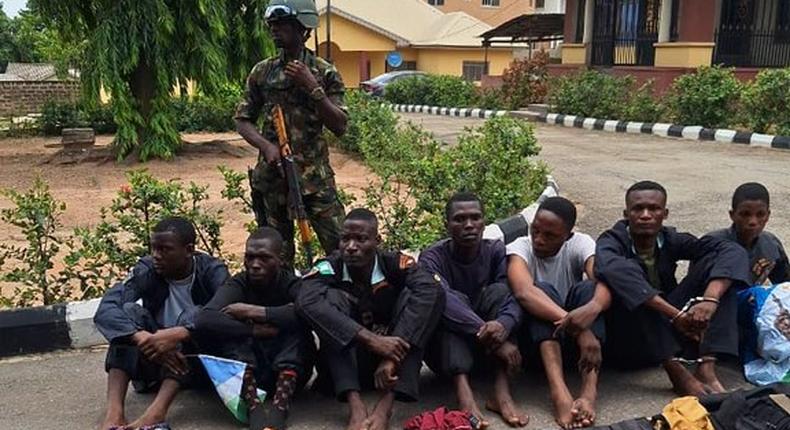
[
  {"x": 70, "y": 325},
  {"x": 669, "y": 130},
  {"x": 457, "y": 112},
  {"x": 49, "y": 328}
]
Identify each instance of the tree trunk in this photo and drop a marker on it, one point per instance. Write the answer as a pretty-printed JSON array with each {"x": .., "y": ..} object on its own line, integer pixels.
[{"x": 143, "y": 88}]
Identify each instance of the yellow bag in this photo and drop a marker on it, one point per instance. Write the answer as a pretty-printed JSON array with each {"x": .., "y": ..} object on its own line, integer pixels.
[{"x": 686, "y": 413}]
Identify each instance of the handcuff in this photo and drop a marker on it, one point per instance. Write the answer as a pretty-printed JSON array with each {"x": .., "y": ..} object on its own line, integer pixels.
[{"x": 691, "y": 303}]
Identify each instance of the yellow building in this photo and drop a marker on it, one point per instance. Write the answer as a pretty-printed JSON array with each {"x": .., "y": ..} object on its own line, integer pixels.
[{"x": 364, "y": 32}]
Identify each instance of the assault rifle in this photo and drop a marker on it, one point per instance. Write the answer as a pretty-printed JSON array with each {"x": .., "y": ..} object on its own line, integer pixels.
[{"x": 295, "y": 202}]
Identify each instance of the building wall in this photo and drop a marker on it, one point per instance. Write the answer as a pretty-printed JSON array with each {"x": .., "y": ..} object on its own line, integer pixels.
[
  {"x": 24, "y": 97},
  {"x": 492, "y": 15},
  {"x": 353, "y": 37},
  {"x": 450, "y": 61}
]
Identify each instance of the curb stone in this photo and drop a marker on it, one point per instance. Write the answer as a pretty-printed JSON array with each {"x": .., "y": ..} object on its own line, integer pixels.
[
  {"x": 692, "y": 132},
  {"x": 70, "y": 325}
]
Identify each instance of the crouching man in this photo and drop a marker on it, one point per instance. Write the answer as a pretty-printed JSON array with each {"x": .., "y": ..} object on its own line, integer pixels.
[
  {"x": 148, "y": 342},
  {"x": 252, "y": 319},
  {"x": 373, "y": 312}
]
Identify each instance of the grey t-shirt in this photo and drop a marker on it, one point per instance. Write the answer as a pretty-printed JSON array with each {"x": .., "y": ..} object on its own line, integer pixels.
[
  {"x": 562, "y": 270},
  {"x": 178, "y": 301}
]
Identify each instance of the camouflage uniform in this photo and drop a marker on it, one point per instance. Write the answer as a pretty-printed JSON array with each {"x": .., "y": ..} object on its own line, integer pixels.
[{"x": 267, "y": 86}]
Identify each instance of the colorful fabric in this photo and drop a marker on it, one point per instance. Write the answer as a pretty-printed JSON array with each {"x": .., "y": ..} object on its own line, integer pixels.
[
  {"x": 228, "y": 379},
  {"x": 764, "y": 316},
  {"x": 439, "y": 419}
]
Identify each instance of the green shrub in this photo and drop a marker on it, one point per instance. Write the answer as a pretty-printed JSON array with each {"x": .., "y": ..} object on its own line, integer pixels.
[
  {"x": 491, "y": 98},
  {"x": 55, "y": 116},
  {"x": 525, "y": 81},
  {"x": 642, "y": 105},
  {"x": 418, "y": 175},
  {"x": 203, "y": 112},
  {"x": 708, "y": 97},
  {"x": 432, "y": 90},
  {"x": 590, "y": 93},
  {"x": 766, "y": 102},
  {"x": 368, "y": 118}
]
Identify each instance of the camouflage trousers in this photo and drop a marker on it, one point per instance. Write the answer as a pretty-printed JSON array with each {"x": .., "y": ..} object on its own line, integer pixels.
[{"x": 324, "y": 211}]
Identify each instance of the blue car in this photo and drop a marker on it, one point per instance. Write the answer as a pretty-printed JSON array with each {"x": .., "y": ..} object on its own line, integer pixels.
[{"x": 376, "y": 85}]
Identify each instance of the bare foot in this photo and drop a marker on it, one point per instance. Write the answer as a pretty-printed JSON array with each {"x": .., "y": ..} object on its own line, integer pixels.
[
  {"x": 357, "y": 413},
  {"x": 113, "y": 422},
  {"x": 563, "y": 409},
  {"x": 146, "y": 420},
  {"x": 706, "y": 373},
  {"x": 380, "y": 418},
  {"x": 583, "y": 412},
  {"x": 683, "y": 382},
  {"x": 471, "y": 407},
  {"x": 510, "y": 414}
]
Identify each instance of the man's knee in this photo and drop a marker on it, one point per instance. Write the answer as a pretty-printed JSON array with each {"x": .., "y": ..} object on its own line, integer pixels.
[
  {"x": 550, "y": 291},
  {"x": 498, "y": 292},
  {"x": 581, "y": 294},
  {"x": 140, "y": 315}
]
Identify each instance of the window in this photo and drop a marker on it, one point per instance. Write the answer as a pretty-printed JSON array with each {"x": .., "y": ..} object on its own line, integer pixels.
[
  {"x": 540, "y": 4},
  {"x": 492, "y": 3},
  {"x": 783, "y": 23},
  {"x": 436, "y": 2},
  {"x": 474, "y": 70}
]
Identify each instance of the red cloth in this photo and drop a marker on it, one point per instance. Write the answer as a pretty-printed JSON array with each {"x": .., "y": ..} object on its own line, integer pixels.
[{"x": 439, "y": 419}]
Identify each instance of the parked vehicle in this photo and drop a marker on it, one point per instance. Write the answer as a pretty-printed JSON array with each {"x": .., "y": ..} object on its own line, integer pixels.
[{"x": 377, "y": 85}]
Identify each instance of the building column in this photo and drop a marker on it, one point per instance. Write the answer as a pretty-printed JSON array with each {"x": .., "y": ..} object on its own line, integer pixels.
[
  {"x": 695, "y": 43},
  {"x": 589, "y": 17},
  {"x": 578, "y": 53},
  {"x": 364, "y": 73},
  {"x": 665, "y": 22}
]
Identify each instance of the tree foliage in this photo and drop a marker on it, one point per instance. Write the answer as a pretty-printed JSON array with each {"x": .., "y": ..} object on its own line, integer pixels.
[{"x": 140, "y": 50}]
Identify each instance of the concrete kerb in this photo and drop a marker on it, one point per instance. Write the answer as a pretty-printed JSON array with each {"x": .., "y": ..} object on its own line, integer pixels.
[
  {"x": 70, "y": 325},
  {"x": 657, "y": 129}
]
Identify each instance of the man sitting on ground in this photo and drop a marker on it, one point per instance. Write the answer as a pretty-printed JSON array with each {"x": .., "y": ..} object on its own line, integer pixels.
[
  {"x": 371, "y": 310},
  {"x": 546, "y": 271},
  {"x": 653, "y": 318},
  {"x": 751, "y": 208},
  {"x": 480, "y": 313},
  {"x": 148, "y": 342},
  {"x": 252, "y": 319}
]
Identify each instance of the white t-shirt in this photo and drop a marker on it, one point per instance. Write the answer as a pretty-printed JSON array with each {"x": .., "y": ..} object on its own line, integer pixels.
[{"x": 562, "y": 270}]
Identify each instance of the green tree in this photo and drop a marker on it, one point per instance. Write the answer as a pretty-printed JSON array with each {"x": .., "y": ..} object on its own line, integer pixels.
[
  {"x": 6, "y": 39},
  {"x": 139, "y": 50}
]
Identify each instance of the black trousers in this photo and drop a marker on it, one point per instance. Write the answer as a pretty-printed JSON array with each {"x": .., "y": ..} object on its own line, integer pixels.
[
  {"x": 452, "y": 353},
  {"x": 578, "y": 296},
  {"x": 292, "y": 349},
  {"x": 145, "y": 374},
  {"x": 643, "y": 337},
  {"x": 352, "y": 367}
]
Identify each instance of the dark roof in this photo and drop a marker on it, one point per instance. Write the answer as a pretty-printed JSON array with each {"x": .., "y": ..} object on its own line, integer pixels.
[{"x": 528, "y": 28}]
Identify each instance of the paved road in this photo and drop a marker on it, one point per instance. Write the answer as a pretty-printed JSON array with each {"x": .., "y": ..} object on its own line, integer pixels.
[{"x": 66, "y": 389}]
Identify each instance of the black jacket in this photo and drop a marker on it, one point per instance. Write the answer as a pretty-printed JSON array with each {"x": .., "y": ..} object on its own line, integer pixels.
[
  {"x": 425, "y": 301},
  {"x": 144, "y": 283},
  {"x": 622, "y": 270}
]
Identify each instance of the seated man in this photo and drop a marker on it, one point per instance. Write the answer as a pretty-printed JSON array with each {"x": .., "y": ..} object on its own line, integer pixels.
[
  {"x": 371, "y": 310},
  {"x": 750, "y": 211},
  {"x": 546, "y": 271},
  {"x": 252, "y": 319},
  {"x": 148, "y": 342},
  {"x": 654, "y": 318},
  {"x": 480, "y": 313}
]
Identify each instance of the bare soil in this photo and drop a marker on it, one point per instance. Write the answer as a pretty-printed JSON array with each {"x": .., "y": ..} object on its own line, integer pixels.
[{"x": 86, "y": 182}]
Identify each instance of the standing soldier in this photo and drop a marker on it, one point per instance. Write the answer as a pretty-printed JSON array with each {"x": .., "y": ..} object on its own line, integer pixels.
[{"x": 310, "y": 92}]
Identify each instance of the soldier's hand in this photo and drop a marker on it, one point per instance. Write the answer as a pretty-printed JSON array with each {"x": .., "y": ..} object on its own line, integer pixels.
[
  {"x": 301, "y": 75},
  {"x": 272, "y": 155}
]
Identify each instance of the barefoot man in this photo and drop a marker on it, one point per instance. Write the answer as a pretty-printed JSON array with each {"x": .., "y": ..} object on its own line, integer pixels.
[
  {"x": 547, "y": 271},
  {"x": 481, "y": 314},
  {"x": 373, "y": 311},
  {"x": 653, "y": 318}
]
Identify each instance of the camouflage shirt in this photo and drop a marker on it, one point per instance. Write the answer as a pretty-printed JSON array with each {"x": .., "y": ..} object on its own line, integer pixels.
[{"x": 267, "y": 86}]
